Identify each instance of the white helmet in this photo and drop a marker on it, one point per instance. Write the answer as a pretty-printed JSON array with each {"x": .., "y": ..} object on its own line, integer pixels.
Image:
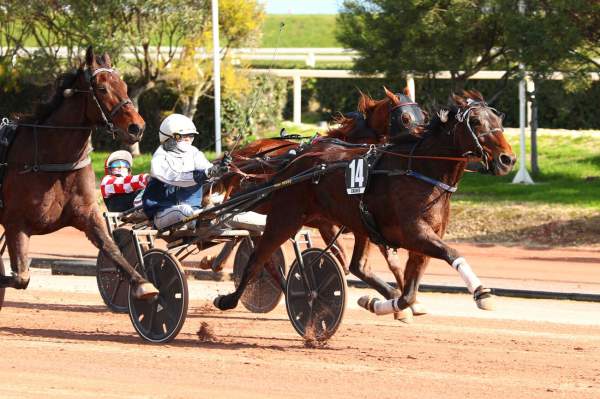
[{"x": 175, "y": 124}]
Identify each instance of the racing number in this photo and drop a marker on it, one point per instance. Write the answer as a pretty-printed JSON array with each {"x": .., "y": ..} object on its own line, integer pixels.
[{"x": 356, "y": 176}]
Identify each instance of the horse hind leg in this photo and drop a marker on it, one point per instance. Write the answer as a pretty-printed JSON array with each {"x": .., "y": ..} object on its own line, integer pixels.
[{"x": 17, "y": 242}]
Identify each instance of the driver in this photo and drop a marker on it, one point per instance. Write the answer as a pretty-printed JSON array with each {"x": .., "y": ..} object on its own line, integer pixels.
[
  {"x": 119, "y": 187},
  {"x": 178, "y": 171}
]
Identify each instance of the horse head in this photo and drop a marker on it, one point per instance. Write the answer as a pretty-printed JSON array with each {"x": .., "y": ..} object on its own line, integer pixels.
[
  {"x": 394, "y": 116},
  {"x": 477, "y": 131},
  {"x": 107, "y": 101}
]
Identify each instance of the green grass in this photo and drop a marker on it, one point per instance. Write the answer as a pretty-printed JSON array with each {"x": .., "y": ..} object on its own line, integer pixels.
[
  {"x": 570, "y": 175},
  {"x": 300, "y": 31}
]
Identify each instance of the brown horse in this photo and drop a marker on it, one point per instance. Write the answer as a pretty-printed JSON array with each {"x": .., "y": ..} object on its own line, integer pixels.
[
  {"x": 406, "y": 205},
  {"x": 49, "y": 181},
  {"x": 378, "y": 121}
]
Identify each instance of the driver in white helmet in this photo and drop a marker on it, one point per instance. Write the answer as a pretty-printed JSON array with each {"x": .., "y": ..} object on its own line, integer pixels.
[{"x": 178, "y": 171}]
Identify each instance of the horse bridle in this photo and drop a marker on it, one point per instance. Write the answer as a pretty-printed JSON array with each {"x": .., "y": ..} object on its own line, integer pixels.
[
  {"x": 464, "y": 116},
  {"x": 107, "y": 119}
]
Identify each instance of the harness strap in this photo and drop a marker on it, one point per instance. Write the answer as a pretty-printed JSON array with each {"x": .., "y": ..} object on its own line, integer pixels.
[
  {"x": 370, "y": 224},
  {"x": 57, "y": 167}
]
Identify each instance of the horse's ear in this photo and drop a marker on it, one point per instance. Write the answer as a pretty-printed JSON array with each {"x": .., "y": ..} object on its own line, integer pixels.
[
  {"x": 106, "y": 60},
  {"x": 407, "y": 92},
  {"x": 90, "y": 58},
  {"x": 458, "y": 100},
  {"x": 364, "y": 102},
  {"x": 390, "y": 95}
]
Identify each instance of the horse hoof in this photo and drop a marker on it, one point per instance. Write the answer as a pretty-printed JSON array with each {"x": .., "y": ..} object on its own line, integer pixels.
[
  {"x": 145, "y": 291},
  {"x": 367, "y": 302},
  {"x": 20, "y": 283},
  {"x": 486, "y": 303},
  {"x": 404, "y": 316},
  {"x": 418, "y": 309},
  {"x": 224, "y": 302},
  {"x": 484, "y": 298}
]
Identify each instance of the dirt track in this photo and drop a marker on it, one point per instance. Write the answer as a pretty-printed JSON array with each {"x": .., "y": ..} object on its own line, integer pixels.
[{"x": 63, "y": 343}]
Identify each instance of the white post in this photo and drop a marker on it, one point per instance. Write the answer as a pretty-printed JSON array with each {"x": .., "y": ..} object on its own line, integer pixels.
[
  {"x": 297, "y": 99},
  {"x": 530, "y": 85},
  {"x": 311, "y": 60},
  {"x": 410, "y": 83},
  {"x": 216, "y": 74},
  {"x": 522, "y": 175}
]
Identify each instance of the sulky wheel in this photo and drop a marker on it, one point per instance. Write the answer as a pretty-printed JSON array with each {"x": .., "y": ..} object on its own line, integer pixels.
[
  {"x": 159, "y": 320},
  {"x": 112, "y": 281},
  {"x": 1, "y": 289},
  {"x": 316, "y": 313},
  {"x": 263, "y": 294}
]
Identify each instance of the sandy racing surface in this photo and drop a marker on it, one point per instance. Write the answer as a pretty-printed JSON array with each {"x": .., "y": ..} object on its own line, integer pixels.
[{"x": 58, "y": 340}]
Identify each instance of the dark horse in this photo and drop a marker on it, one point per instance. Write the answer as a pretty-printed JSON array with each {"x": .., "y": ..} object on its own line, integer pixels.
[
  {"x": 408, "y": 199},
  {"x": 49, "y": 181},
  {"x": 395, "y": 117}
]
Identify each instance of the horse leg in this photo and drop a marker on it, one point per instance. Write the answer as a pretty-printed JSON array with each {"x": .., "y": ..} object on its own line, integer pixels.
[
  {"x": 274, "y": 236},
  {"x": 359, "y": 266},
  {"x": 428, "y": 244},
  {"x": 393, "y": 261},
  {"x": 96, "y": 232},
  {"x": 328, "y": 232},
  {"x": 17, "y": 242}
]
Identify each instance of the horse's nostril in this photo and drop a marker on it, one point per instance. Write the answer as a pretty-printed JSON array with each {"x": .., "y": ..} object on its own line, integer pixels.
[
  {"x": 506, "y": 160},
  {"x": 134, "y": 129}
]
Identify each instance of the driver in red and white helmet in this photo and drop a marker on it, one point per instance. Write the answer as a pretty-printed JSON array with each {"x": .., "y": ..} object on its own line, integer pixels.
[{"x": 119, "y": 187}]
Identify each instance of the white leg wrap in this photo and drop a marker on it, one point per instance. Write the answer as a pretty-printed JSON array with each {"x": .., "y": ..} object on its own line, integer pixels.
[
  {"x": 468, "y": 276},
  {"x": 386, "y": 307}
]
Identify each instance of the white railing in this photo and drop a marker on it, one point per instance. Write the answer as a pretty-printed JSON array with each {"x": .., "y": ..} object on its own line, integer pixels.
[{"x": 310, "y": 56}]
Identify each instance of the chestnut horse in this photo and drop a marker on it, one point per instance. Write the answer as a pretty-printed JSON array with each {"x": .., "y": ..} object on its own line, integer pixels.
[
  {"x": 393, "y": 116},
  {"x": 49, "y": 181},
  {"x": 407, "y": 199}
]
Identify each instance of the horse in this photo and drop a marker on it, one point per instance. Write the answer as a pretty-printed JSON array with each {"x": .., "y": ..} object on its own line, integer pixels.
[
  {"x": 377, "y": 121},
  {"x": 49, "y": 182},
  {"x": 406, "y": 204}
]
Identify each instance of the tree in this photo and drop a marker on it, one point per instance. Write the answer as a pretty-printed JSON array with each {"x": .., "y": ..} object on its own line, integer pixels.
[
  {"x": 12, "y": 40},
  {"x": 462, "y": 36},
  {"x": 239, "y": 25}
]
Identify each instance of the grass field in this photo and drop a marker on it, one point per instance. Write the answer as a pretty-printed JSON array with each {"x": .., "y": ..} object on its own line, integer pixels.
[{"x": 300, "y": 31}]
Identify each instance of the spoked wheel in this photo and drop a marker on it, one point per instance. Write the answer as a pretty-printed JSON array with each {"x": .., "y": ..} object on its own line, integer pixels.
[
  {"x": 316, "y": 312},
  {"x": 159, "y": 320},
  {"x": 112, "y": 281},
  {"x": 2, "y": 290},
  {"x": 263, "y": 294}
]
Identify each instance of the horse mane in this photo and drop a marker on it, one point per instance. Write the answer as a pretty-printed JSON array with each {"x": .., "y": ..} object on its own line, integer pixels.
[
  {"x": 44, "y": 109},
  {"x": 366, "y": 104}
]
